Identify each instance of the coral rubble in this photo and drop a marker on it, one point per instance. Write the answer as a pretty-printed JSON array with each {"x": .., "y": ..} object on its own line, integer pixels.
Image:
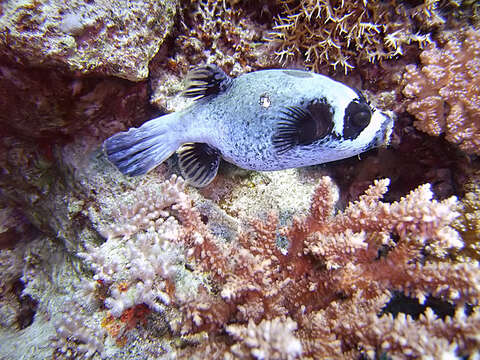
[{"x": 444, "y": 92}]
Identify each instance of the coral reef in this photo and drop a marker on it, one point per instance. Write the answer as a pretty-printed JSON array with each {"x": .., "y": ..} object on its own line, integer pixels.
[
  {"x": 116, "y": 38},
  {"x": 324, "y": 291},
  {"x": 444, "y": 92},
  {"x": 97, "y": 265},
  {"x": 143, "y": 251},
  {"x": 72, "y": 325},
  {"x": 346, "y": 34},
  {"x": 217, "y": 32},
  {"x": 227, "y": 36},
  {"x": 468, "y": 223},
  {"x": 271, "y": 339}
]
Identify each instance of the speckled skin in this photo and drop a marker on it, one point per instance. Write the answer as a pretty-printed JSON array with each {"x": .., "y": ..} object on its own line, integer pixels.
[{"x": 241, "y": 121}]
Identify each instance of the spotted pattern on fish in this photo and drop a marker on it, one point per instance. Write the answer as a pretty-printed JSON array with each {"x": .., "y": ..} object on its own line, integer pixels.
[{"x": 263, "y": 120}]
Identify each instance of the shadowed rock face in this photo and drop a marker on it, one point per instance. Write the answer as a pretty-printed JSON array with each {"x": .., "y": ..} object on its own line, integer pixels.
[
  {"x": 42, "y": 103},
  {"x": 59, "y": 60}
]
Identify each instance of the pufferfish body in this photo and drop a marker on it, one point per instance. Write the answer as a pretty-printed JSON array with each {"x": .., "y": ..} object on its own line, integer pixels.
[{"x": 264, "y": 120}]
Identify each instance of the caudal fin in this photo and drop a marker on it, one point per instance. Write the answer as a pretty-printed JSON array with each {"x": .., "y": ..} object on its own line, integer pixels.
[{"x": 138, "y": 150}]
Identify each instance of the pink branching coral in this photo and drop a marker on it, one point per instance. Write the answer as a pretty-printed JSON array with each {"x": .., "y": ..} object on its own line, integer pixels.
[
  {"x": 340, "y": 271},
  {"x": 141, "y": 255},
  {"x": 271, "y": 339},
  {"x": 324, "y": 295},
  {"x": 444, "y": 93},
  {"x": 346, "y": 33}
]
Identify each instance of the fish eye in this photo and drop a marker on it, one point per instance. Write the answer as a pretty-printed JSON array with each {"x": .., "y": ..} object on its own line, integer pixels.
[
  {"x": 357, "y": 117},
  {"x": 361, "y": 119}
]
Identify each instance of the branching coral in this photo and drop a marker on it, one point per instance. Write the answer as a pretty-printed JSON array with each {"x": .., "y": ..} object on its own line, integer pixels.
[
  {"x": 141, "y": 253},
  {"x": 468, "y": 223},
  {"x": 271, "y": 339},
  {"x": 339, "y": 273},
  {"x": 347, "y": 33},
  {"x": 444, "y": 93},
  {"x": 71, "y": 327},
  {"x": 219, "y": 32},
  {"x": 323, "y": 295}
]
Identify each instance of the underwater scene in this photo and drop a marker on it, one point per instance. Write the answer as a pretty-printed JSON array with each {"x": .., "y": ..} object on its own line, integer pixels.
[{"x": 238, "y": 179}]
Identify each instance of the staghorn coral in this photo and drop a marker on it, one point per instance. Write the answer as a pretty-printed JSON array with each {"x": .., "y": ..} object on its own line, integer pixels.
[
  {"x": 324, "y": 292},
  {"x": 141, "y": 253},
  {"x": 345, "y": 34},
  {"x": 271, "y": 339},
  {"x": 444, "y": 93},
  {"x": 341, "y": 268},
  {"x": 468, "y": 223}
]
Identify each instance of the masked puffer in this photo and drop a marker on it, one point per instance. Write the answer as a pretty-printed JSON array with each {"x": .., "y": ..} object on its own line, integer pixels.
[{"x": 264, "y": 120}]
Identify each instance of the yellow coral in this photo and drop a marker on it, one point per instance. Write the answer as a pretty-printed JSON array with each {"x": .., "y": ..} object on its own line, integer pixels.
[{"x": 444, "y": 93}]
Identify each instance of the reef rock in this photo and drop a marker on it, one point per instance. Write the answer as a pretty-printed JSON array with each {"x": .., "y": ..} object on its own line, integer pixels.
[{"x": 108, "y": 37}]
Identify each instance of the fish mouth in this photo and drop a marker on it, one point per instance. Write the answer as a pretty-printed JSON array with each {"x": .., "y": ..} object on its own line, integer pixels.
[{"x": 384, "y": 134}]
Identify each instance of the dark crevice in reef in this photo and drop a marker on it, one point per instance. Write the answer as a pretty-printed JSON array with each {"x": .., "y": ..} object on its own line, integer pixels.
[
  {"x": 28, "y": 306},
  {"x": 400, "y": 303}
]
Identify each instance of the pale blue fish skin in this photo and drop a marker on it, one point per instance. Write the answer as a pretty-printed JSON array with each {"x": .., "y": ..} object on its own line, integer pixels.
[{"x": 241, "y": 123}]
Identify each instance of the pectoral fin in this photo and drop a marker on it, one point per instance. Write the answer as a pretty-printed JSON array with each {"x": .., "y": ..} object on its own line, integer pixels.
[
  {"x": 198, "y": 163},
  {"x": 302, "y": 125},
  {"x": 206, "y": 80}
]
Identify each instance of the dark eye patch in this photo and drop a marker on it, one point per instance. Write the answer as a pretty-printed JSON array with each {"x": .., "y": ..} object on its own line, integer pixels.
[{"x": 357, "y": 117}]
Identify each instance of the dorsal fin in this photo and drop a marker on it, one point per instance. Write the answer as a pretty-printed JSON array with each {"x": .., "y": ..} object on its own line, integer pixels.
[
  {"x": 206, "y": 80},
  {"x": 198, "y": 163},
  {"x": 302, "y": 125}
]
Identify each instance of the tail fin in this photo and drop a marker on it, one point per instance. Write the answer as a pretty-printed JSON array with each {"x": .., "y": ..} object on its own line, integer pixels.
[{"x": 138, "y": 150}]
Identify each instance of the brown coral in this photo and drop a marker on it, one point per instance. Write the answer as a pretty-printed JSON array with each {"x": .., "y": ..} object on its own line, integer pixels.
[
  {"x": 468, "y": 223},
  {"x": 347, "y": 33},
  {"x": 224, "y": 33},
  {"x": 444, "y": 93}
]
